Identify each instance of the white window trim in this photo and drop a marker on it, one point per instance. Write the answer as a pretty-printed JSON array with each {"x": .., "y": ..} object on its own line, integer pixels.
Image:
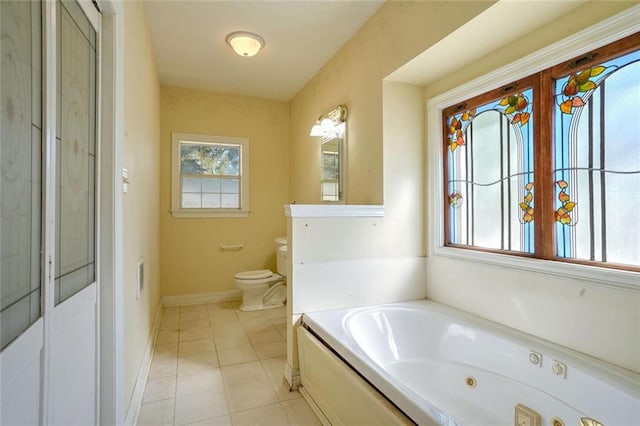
[
  {"x": 179, "y": 212},
  {"x": 605, "y": 32}
]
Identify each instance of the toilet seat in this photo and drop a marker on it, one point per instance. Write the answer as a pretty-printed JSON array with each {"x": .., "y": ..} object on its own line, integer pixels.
[{"x": 259, "y": 274}]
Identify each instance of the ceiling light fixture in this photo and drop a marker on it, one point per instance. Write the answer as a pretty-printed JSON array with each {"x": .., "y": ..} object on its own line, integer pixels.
[{"x": 245, "y": 43}]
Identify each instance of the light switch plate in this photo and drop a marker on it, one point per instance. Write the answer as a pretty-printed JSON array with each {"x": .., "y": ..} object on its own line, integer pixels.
[{"x": 125, "y": 181}]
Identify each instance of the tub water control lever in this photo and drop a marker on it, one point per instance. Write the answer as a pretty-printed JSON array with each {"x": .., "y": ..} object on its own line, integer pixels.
[
  {"x": 559, "y": 368},
  {"x": 535, "y": 358}
]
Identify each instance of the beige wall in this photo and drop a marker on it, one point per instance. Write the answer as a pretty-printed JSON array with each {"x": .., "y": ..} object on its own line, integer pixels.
[
  {"x": 599, "y": 321},
  {"x": 191, "y": 259},
  {"x": 396, "y": 33},
  {"x": 140, "y": 206}
]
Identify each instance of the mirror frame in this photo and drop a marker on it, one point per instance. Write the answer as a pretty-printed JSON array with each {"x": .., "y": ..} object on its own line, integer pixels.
[{"x": 332, "y": 127}]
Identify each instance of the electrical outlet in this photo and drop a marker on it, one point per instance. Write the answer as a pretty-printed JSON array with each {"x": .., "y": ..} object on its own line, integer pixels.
[
  {"x": 139, "y": 277},
  {"x": 525, "y": 416}
]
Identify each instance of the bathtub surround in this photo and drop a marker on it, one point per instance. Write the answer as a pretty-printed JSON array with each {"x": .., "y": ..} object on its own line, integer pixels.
[
  {"x": 343, "y": 256},
  {"x": 443, "y": 366}
]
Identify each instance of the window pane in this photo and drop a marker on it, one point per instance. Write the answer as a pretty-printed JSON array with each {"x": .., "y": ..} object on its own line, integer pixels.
[
  {"x": 191, "y": 185},
  {"x": 490, "y": 174},
  {"x": 230, "y": 201},
  {"x": 209, "y": 159},
  {"x": 230, "y": 186},
  {"x": 211, "y": 201},
  {"x": 20, "y": 166},
  {"x": 75, "y": 162},
  {"x": 190, "y": 201},
  {"x": 211, "y": 185},
  {"x": 597, "y": 162}
]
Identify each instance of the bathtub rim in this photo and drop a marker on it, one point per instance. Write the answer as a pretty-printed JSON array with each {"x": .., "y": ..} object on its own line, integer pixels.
[{"x": 330, "y": 327}]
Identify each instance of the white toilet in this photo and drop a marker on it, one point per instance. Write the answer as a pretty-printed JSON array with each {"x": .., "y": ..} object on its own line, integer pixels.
[{"x": 263, "y": 289}]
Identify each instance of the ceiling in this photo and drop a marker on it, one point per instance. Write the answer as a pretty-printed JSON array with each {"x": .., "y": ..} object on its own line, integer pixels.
[{"x": 301, "y": 36}]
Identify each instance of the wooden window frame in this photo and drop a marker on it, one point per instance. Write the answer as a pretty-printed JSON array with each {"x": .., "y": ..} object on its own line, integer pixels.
[{"x": 544, "y": 109}]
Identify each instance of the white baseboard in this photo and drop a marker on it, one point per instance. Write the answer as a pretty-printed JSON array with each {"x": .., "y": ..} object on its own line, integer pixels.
[
  {"x": 211, "y": 297},
  {"x": 133, "y": 410}
]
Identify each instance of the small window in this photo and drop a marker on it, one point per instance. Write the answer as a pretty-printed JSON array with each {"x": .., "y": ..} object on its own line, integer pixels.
[{"x": 210, "y": 176}]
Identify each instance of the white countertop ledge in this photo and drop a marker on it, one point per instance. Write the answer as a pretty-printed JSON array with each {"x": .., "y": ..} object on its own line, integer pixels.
[{"x": 333, "y": 210}]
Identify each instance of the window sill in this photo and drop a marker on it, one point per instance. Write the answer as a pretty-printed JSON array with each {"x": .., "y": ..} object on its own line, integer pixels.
[
  {"x": 602, "y": 277},
  {"x": 204, "y": 213}
]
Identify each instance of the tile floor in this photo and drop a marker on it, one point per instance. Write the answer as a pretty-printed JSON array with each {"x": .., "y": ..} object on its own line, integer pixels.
[{"x": 216, "y": 365}]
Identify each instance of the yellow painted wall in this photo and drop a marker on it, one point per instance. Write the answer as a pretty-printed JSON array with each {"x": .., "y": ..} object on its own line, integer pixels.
[
  {"x": 191, "y": 259},
  {"x": 396, "y": 33},
  {"x": 140, "y": 206}
]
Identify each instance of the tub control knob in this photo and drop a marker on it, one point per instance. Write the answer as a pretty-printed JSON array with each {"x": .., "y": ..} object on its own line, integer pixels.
[
  {"x": 535, "y": 358},
  {"x": 559, "y": 368}
]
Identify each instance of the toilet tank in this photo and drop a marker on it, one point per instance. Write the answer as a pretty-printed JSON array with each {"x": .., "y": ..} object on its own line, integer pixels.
[{"x": 281, "y": 255}]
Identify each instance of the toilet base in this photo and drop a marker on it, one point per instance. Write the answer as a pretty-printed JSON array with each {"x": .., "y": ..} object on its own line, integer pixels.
[
  {"x": 259, "y": 307},
  {"x": 259, "y": 298}
]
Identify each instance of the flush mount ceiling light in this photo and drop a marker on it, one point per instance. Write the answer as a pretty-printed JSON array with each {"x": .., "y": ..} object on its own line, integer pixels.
[{"x": 245, "y": 43}]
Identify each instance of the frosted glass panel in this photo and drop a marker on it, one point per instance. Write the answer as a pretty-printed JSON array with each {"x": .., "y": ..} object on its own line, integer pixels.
[
  {"x": 191, "y": 185},
  {"x": 490, "y": 174},
  {"x": 229, "y": 201},
  {"x": 191, "y": 201},
  {"x": 597, "y": 162},
  {"x": 20, "y": 165},
  {"x": 75, "y": 156},
  {"x": 230, "y": 186},
  {"x": 211, "y": 201}
]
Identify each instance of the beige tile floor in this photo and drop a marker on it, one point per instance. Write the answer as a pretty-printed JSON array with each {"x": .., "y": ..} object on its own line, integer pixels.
[{"x": 216, "y": 365}]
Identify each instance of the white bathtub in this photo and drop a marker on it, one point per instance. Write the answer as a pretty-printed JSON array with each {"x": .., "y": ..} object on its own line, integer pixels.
[{"x": 423, "y": 357}]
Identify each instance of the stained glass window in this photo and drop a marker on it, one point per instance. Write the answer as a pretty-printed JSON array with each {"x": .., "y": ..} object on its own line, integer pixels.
[
  {"x": 597, "y": 162},
  {"x": 562, "y": 185},
  {"x": 490, "y": 174}
]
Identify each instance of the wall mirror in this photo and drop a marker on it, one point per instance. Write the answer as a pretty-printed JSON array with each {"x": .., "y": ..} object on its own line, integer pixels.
[{"x": 331, "y": 130}]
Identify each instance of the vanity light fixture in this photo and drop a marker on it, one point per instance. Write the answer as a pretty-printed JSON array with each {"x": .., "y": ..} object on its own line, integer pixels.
[
  {"x": 326, "y": 124},
  {"x": 245, "y": 43},
  {"x": 316, "y": 130}
]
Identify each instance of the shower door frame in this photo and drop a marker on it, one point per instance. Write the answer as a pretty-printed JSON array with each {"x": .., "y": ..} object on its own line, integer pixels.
[{"x": 34, "y": 372}]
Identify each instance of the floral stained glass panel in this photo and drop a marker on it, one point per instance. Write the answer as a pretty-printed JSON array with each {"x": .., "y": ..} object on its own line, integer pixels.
[
  {"x": 489, "y": 178},
  {"x": 597, "y": 162}
]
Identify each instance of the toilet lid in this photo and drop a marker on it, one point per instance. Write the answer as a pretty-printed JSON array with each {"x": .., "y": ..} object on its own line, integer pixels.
[{"x": 254, "y": 275}]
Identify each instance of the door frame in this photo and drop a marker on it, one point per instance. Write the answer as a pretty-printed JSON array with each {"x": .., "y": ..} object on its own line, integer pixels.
[{"x": 111, "y": 398}]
